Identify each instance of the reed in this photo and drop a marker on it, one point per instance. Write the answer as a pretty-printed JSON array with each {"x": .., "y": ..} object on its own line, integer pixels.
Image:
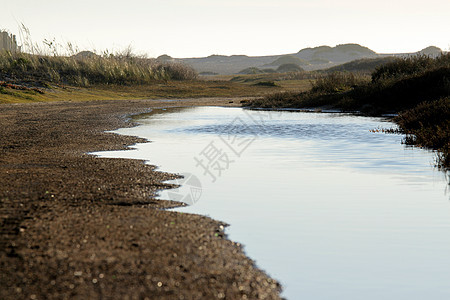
[
  {"x": 428, "y": 125},
  {"x": 397, "y": 86},
  {"x": 409, "y": 66},
  {"x": 59, "y": 63},
  {"x": 337, "y": 82},
  {"x": 85, "y": 70}
]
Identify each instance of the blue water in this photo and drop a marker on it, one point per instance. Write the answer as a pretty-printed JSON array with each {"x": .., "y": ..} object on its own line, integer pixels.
[{"x": 322, "y": 203}]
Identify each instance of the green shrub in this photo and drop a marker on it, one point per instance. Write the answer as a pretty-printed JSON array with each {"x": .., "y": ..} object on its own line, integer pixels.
[{"x": 266, "y": 83}]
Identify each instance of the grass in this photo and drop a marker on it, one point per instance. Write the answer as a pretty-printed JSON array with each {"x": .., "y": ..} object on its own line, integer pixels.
[
  {"x": 361, "y": 66},
  {"x": 266, "y": 83},
  {"x": 409, "y": 66},
  {"x": 428, "y": 125},
  {"x": 122, "y": 69},
  {"x": 288, "y": 82},
  {"x": 322, "y": 92},
  {"x": 49, "y": 76},
  {"x": 337, "y": 82},
  {"x": 393, "y": 87},
  {"x": 156, "y": 90}
]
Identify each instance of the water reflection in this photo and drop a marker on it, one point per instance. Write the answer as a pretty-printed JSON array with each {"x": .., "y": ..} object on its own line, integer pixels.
[{"x": 329, "y": 208}]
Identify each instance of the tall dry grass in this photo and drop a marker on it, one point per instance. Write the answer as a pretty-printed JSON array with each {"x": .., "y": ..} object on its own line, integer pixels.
[
  {"x": 337, "y": 82},
  {"x": 53, "y": 62},
  {"x": 92, "y": 69},
  {"x": 428, "y": 125},
  {"x": 409, "y": 66},
  {"x": 394, "y": 87}
]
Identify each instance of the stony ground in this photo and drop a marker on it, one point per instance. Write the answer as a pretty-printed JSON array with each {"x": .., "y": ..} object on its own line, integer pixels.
[{"x": 74, "y": 226}]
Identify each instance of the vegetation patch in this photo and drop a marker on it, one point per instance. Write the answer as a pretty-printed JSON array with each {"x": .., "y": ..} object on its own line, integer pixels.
[
  {"x": 4, "y": 84},
  {"x": 362, "y": 66},
  {"x": 337, "y": 82},
  {"x": 428, "y": 125},
  {"x": 409, "y": 66},
  {"x": 393, "y": 87},
  {"x": 207, "y": 73},
  {"x": 4, "y": 91},
  {"x": 266, "y": 83},
  {"x": 85, "y": 70},
  {"x": 49, "y": 76}
]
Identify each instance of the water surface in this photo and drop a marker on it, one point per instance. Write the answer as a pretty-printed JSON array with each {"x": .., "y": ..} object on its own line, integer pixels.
[{"x": 323, "y": 204}]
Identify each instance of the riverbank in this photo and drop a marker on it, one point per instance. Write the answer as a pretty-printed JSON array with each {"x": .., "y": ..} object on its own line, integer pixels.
[
  {"x": 77, "y": 226},
  {"x": 10, "y": 93},
  {"x": 416, "y": 88}
]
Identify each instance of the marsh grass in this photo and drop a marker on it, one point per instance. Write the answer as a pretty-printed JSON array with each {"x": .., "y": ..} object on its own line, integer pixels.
[
  {"x": 428, "y": 125},
  {"x": 325, "y": 89},
  {"x": 266, "y": 83},
  {"x": 337, "y": 82},
  {"x": 362, "y": 66},
  {"x": 88, "y": 70},
  {"x": 180, "y": 89},
  {"x": 63, "y": 63},
  {"x": 409, "y": 67},
  {"x": 397, "y": 86}
]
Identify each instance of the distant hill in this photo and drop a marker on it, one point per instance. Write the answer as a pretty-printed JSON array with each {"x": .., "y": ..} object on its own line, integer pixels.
[
  {"x": 340, "y": 53},
  {"x": 165, "y": 58},
  {"x": 288, "y": 59},
  {"x": 317, "y": 58},
  {"x": 285, "y": 68},
  {"x": 227, "y": 64},
  {"x": 431, "y": 51}
]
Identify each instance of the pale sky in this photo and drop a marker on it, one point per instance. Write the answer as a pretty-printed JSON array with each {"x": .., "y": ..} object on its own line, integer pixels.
[{"x": 198, "y": 28}]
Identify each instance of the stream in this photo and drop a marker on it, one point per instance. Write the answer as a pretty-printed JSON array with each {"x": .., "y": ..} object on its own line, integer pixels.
[{"x": 326, "y": 203}]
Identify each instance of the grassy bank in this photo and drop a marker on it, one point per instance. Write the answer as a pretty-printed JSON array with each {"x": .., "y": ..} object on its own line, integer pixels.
[
  {"x": 156, "y": 90},
  {"x": 416, "y": 87},
  {"x": 393, "y": 87},
  {"x": 88, "y": 76},
  {"x": 87, "y": 68},
  {"x": 428, "y": 125}
]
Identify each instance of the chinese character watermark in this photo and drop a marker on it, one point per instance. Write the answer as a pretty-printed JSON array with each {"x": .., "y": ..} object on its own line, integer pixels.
[
  {"x": 231, "y": 136},
  {"x": 233, "y": 140},
  {"x": 213, "y": 161}
]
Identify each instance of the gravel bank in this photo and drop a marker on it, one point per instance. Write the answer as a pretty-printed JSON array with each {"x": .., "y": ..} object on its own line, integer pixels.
[{"x": 75, "y": 226}]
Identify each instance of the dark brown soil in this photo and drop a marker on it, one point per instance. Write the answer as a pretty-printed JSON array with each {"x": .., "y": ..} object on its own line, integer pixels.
[{"x": 74, "y": 226}]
